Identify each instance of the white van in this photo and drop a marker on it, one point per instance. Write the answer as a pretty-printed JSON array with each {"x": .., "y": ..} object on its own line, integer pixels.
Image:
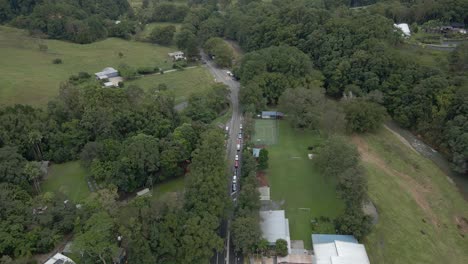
[{"x": 234, "y": 179}]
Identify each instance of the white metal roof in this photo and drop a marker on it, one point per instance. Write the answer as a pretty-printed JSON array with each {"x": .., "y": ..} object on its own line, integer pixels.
[
  {"x": 340, "y": 252},
  {"x": 59, "y": 259},
  {"x": 404, "y": 27}
]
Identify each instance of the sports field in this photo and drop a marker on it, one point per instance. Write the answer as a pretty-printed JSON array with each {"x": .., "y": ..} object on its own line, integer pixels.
[
  {"x": 266, "y": 132},
  {"x": 296, "y": 183},
  {"x": 68, "y": 178},
  {"x": 28, "y": 75}
]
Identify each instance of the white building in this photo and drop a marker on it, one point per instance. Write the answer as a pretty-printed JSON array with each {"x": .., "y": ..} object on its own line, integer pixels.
[
  {"x": 274, "y": 226},
  {"x": 107, "y": 73},
  {"x": 338, "y": 249},
  {"x": 178, "y": 55},
  {"x": 404, "y": 28},
  {"x": 59, "y": 259},
  {"x": 264, "y": 193}
]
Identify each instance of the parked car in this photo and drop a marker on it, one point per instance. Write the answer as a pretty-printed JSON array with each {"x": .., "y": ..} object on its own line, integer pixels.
[
  {"x": 229, "y": 73},
  {"x": 236, "y": 164},
  {"x": 238, "y": 147},
  {"x": 240, "y": 136},
  {"x": 234, "y": 187},
  {"x": 237, "y": 157},
  {"x": 240, "y": 126},
  {"x": 234, "y": 179}
]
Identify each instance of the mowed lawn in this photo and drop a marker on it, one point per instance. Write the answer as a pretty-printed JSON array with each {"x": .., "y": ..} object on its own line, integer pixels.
[
  {"x": 28, "y": 75},
  {"x": 150, "y": 26},
  {"x": 419, "y": 208},
  {"x": 68, "y": 178},
  {"x": 180, "y": 83},
  {"x": 296, "y": 182}
]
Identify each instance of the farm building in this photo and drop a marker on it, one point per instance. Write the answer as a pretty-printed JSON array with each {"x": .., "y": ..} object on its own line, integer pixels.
[
  {"x": 342, "y": 249},
  {"x": 107, "y": 73},
  {"x": 178, "y": 55},
  {"x": 274, "y": 226},
  {"x": 59, "y": 259},
  {"x": 272, "y": 115}
]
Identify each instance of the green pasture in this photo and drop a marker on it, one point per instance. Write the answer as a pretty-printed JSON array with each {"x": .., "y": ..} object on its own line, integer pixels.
[{"x": 68, "y": 178}]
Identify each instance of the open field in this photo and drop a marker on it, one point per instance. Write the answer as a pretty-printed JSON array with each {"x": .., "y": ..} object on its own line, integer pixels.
[
  {"x": 68, "y": 178},
  {"x": 149, "y": 27},
  {"x": 28, "y": 75},
  {"x": 294, "y": 180},
  {"x": 422, "y": 216},
  {"x": 266, "y": 132},
  {"x": 180, "y": 83}
]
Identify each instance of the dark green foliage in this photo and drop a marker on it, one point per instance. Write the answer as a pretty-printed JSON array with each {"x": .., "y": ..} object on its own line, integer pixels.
[
  {"x": 162, "y": 35},
  {"x": 12, "y": 167},
  {"x": 246, "y": 233},
  {"x": 57, "y": 61},
  {"x": 125, "y": 29},
  {"x": 336, "y": 156},
  {"x": 304, "y": 107},
  {"x": 222, "y": 52},
  {"x": 263, "y": 159},
  {"x": 354, "y": 222},
  {"x": 205, "y": 107},
  {"x": 459, "y": 58},
  {"x": 281, "y": 247},
  {"x": 168, "y": 12},
  {"x": 187, "y": 42},
  {"x": 363, "y": 116},
  {"x": 127, "y": 71}
]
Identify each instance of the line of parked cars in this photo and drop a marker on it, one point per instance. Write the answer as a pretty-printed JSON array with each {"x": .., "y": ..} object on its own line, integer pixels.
[{"x": 236, "y": 161}]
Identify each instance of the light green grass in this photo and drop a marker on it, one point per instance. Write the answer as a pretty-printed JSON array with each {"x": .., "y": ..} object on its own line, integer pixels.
[
  {"x": 28, "y": 75},
  {"x": 167, "y": 187},
  {"x": 425, "y": 56},
  {"x": 266, "y": 132},
  {"x": 68, "y": 178},
  {"x": 398, "y": 237},
  {"x": 294, "y": 180},
  {"x": 180, "y": 83},
  {"x": 149, "y": 27}
]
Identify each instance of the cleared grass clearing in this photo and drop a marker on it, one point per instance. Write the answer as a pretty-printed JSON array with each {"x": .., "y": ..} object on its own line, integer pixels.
[
  {"x": 68, "y": 178},
  {"x": 295, "y": 182},
  {"x": 180, "y": 83},
  {"x": 420, "y": 211},
  {"x": 29, "y": 77}
]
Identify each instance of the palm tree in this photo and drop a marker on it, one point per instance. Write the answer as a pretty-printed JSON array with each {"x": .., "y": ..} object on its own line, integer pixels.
[{"x": 34, "y": 173}]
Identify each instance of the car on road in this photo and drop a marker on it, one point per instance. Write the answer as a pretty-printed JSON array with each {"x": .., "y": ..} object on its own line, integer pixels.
[
  {"x": 240, "y": 126},
  {"x": 240, "y": 136},
  {"x": 238, "y": 147},
  {"x": 234, "y": 179},
  {"x": 229, "y": 73},
  {"x": 237, "y": 157},
  {"x": 236, "y": 164},
  {"x": 234, "y": 187}
]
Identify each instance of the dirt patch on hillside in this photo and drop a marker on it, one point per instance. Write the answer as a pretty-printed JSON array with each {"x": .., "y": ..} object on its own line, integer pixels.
[
  {"x": 414, "y": 188},
  {"x": 402, "y": 139},
  {"x": 462, "y": 224}
]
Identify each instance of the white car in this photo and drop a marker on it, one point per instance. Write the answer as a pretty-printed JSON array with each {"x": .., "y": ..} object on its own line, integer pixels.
[
  {"x": 234, "y": 179},
  {"x": 240, "y": 136},
  {"x": 237, "y": 157},
  {"x": 240, "y": 126},
  {"x": 234, "y": 187},
  {"x": 229, "y": 73},
  {"x": 238, "y": 147}
]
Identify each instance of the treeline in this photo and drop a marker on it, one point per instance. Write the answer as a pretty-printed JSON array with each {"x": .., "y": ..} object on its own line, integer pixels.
[
  {"x": 185, "y": 229},
  {"x": 73, "y": 20},
  {"x": 353, "y": 52},
  {"x": 339, "y": 159}
]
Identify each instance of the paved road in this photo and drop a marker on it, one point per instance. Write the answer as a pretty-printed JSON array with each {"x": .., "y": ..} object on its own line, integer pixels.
[{"x": 220, "y": 75}]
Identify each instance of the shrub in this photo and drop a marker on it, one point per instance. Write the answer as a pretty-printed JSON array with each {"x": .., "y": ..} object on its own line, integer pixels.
[
  {"x": 84, "y": 75},
  {"x": 147, "y": 70},
  {"x": 57, "y": 61},
  {"x": 281, "y": 247}
]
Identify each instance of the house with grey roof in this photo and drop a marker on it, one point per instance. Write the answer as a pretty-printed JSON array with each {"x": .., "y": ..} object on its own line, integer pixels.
[
  {"x": 109, "y": 76},
  {"x": 274, "y": 225}
]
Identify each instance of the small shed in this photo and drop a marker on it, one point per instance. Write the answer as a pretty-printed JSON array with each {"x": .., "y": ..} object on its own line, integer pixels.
[
  {"x": 404, "y": 28},
  {"x": 272, "y": 115},
  {"x": 256, "y": 152},
  {"x": 144, "y": 192},
  {"x": 264, "y": 193}
]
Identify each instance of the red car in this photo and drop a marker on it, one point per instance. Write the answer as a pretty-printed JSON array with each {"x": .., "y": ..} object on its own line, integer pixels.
[{"x": 236, "y": 164}]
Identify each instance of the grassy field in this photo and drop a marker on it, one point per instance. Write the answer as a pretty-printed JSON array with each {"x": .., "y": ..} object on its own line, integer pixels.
[
  {"x": 422, "y": 216},
  {"x": 68, "y": 178},
  {"x": 425, "y": 56},
  {"x": 149, "y": 27},
  {"x": 165, "y": 188},
  {"x": 294, "y": 180},
  {"x": 28, "y": 75},
  {"x": 181, "y": 83}
]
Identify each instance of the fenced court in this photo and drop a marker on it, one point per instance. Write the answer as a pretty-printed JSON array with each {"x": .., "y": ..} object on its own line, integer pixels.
[{"x": 266, "y": 132}]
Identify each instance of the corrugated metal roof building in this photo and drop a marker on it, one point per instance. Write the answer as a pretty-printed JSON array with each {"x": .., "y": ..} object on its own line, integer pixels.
[
  {"x": 274, "y": 226},
  {"x": 338, "y": 249}
]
